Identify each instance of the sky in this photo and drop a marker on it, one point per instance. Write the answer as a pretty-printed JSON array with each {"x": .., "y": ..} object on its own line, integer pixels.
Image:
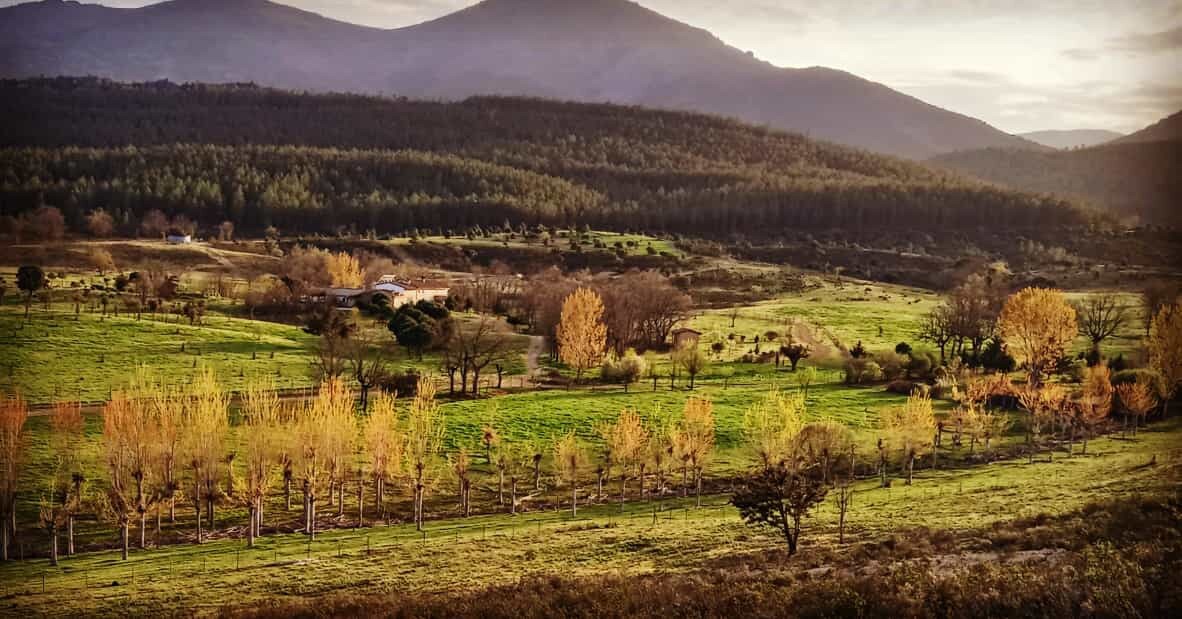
[{"x": 1020, "y": 65}]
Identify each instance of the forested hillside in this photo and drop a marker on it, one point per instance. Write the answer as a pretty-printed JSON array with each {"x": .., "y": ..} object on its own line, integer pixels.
[
  {"x": 476, "y": 162},
  {"x": 1135, "y": 179}
]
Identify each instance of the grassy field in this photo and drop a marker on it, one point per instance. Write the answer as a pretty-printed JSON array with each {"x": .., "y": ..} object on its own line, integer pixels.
[
  {"x": 470, "y": 554},
  {"x": 878, "y": 315},
  {"x": 630, "y": 244}
]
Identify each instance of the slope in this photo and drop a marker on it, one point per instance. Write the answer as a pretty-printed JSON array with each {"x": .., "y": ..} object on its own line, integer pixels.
[
  {"x": 603, "y": 165},
  {"x": 586, "y": 50}
]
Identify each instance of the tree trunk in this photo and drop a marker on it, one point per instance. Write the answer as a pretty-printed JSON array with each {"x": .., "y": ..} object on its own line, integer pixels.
[
  {"x": 53, "y": 545},
  {"x": 513, "y": 495},
  {"x": 250, "y": 527},
  {"x": 623, "y": 489},
  {"x": 698, "y": 475},
  {"x": 70, "y": 535},
  {"x": 287, "y": 490},
  {"x": 360, "y": 501},
  {"x": 197, "y": 510},
  {"x": 501, "y": 487},
  {"x": 574, "y": 500},
  {"x": 123, "y": 531},
  {"x": 910, "y": 468},
  {"x": 143, "y": 529}
]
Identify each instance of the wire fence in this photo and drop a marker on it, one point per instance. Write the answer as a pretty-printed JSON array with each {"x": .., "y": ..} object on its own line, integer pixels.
[{"x": 107, "y": 575}]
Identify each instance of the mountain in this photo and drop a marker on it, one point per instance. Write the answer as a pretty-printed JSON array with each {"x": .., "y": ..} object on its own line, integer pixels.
[
  {"x": 583, "y": 50},
  {"x": 1071, "y": 138},
  {"x": 319, "y": 163},
  {"x": 1169, "y": 128},
  {"x": 1136, "y": 180}
]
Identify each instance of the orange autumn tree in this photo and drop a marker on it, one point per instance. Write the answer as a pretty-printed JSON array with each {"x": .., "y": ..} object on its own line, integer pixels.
[
  {"x": 60, "y": 504},
  {"x": 582, "y": 334},
  {"x": 693, "y": 440},
  {"x": 13, "y": 413},
  {"x": 1038, "y": 325}
]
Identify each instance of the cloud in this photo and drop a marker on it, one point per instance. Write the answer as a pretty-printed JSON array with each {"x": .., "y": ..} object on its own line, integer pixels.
[
  {"x": 1080, "y": 54},
  {"x": 1151, "y": 43}
]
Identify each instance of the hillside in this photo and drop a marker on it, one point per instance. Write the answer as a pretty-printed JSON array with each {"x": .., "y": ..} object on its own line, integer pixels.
[
  {"x": 1169, "y": 128},
  {"x": 1131, "y": 179},
  {"x": 1071, "y": 138},
  {"x": 585, "y": 50},
  {"x": 477, "y": 162}
]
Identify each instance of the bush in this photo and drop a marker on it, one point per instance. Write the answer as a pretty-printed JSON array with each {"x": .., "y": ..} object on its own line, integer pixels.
[
  {"x": 902, "y": 387},
  {"x": 893, "y": 364},
  {"x": 921, "y": 365},
  {"x": 903, "y": 348},
  {"x": 994, "y": 357},
  {"x": 1131, "y": 376},
  {"x": 860, "y": 370}
]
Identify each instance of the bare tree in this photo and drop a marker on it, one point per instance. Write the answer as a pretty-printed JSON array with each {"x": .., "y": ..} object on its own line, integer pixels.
[{"x": 1101, "y": 317}]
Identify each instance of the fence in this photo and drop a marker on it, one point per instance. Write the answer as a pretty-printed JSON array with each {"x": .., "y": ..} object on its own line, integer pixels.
[{"x": 106, "y": 576}]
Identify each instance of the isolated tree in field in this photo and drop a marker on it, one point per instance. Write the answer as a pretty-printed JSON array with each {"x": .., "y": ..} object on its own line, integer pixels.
[
  {"x": 424, "y": 437},
  {"x": 582, "y": 335},
  {"x": 101, "y": 260},
  {"x": 1095, "y": 404},
  {"x": 912, "y": 428},
  {"x": 569, "y": 461},
  {"x": 344, "y": 270},
  {"x": 61, "y": 503},
  {"x": 771, "y": 425},
  {"x": 692, "y": 360},
  {"x": 261, "y": 438},
  {"x": 490, "y": 436},
  {"x": 29, "y": 279},
  {"x": 805, "y": 379},
  {"x": 206, "y": 428},
  {"x": 1136, "y": 399},
  {"x": 1100, "y": 317},
  {"x": 13, "y": 414},
  {"x": 795, "y": 353},
  {"x": 1038, "y": 324},
  {"x": 779, "y": 497},
  {"x": 626, "y": 438},
  {"x": 1165, "y": 351},
  {"x": 384, "y": 444},
  {"x": 693, "y": 442},
  {"x": 333, "y": 351}
]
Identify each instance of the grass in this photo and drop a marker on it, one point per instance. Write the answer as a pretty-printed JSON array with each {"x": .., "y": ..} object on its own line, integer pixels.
[
  {"x": 630, "y": 244},
  {"x": 468, "y": 554}
]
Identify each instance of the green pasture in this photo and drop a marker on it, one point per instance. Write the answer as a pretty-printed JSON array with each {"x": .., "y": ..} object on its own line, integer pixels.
[{"x": 474, "y": 553}]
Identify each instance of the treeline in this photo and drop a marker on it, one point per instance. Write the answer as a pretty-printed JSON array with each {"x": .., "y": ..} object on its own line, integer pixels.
[
  {"x": 1137, "y": 179},
  {"x": 616, "y": 167}
]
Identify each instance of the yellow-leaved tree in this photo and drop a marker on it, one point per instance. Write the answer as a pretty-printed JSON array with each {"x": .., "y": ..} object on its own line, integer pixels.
[
  {"x": 627, "y": 440},
  {"x": 582, "y": 334},
  {"x": 424, "y": 438},
  {"x": 693, "y": 441},
  {"x": 569, "y": 461},
  {"x": 771, "y": 425},
  {"x": 1037, "y": 325},
  {"x": 262, "y": 441},
  {"x": 1165, "y": 351},
  {"x": 344, "y": 270},
  {"x": 384, "y": 442},
  {"x": 911, "y": 427}
]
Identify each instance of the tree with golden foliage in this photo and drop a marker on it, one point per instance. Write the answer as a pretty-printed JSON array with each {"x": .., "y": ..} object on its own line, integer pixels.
[
  {"x": 206, "y": 426},
  {"x": 1165, "y": 351},
  {"x": 1042, "y": 405},
  {"x": 569, "y": 461},
  {"x": 912, "y": 428},
  {"x": 1038, "y": 325},
  {"x": 384, "y": 443},
  {"x": 64, "y": 497},
  {"x": 693, "y": 441},
  {"x": 168, "y": 413},
  {"x": 1136, "y": 399},
  {"x": 119, "y": 455},
  {"x": 626, "y": 438},
  {"x": 582, "y": 335},
  {"x": 771, "y": 425},
  {"x": 822, "y": 443},
  {"x": 1094, "y": 404},
  {"x": 344, "y": 270},
  {"x": 424, "y": 437},
  {"x": 13, "y": 414},
  {"x": 261, "y": 439},
  {"x": 661, "y": 449}
]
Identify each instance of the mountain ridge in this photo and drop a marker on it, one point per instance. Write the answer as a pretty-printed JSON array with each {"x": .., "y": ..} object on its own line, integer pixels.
[
  {"x": 1071, "y": 138},
  {"x": 564, "y": 49}
]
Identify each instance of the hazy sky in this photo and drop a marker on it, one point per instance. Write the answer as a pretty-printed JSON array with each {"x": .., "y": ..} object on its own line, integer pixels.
[{"x": 1020, "y": 65}]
